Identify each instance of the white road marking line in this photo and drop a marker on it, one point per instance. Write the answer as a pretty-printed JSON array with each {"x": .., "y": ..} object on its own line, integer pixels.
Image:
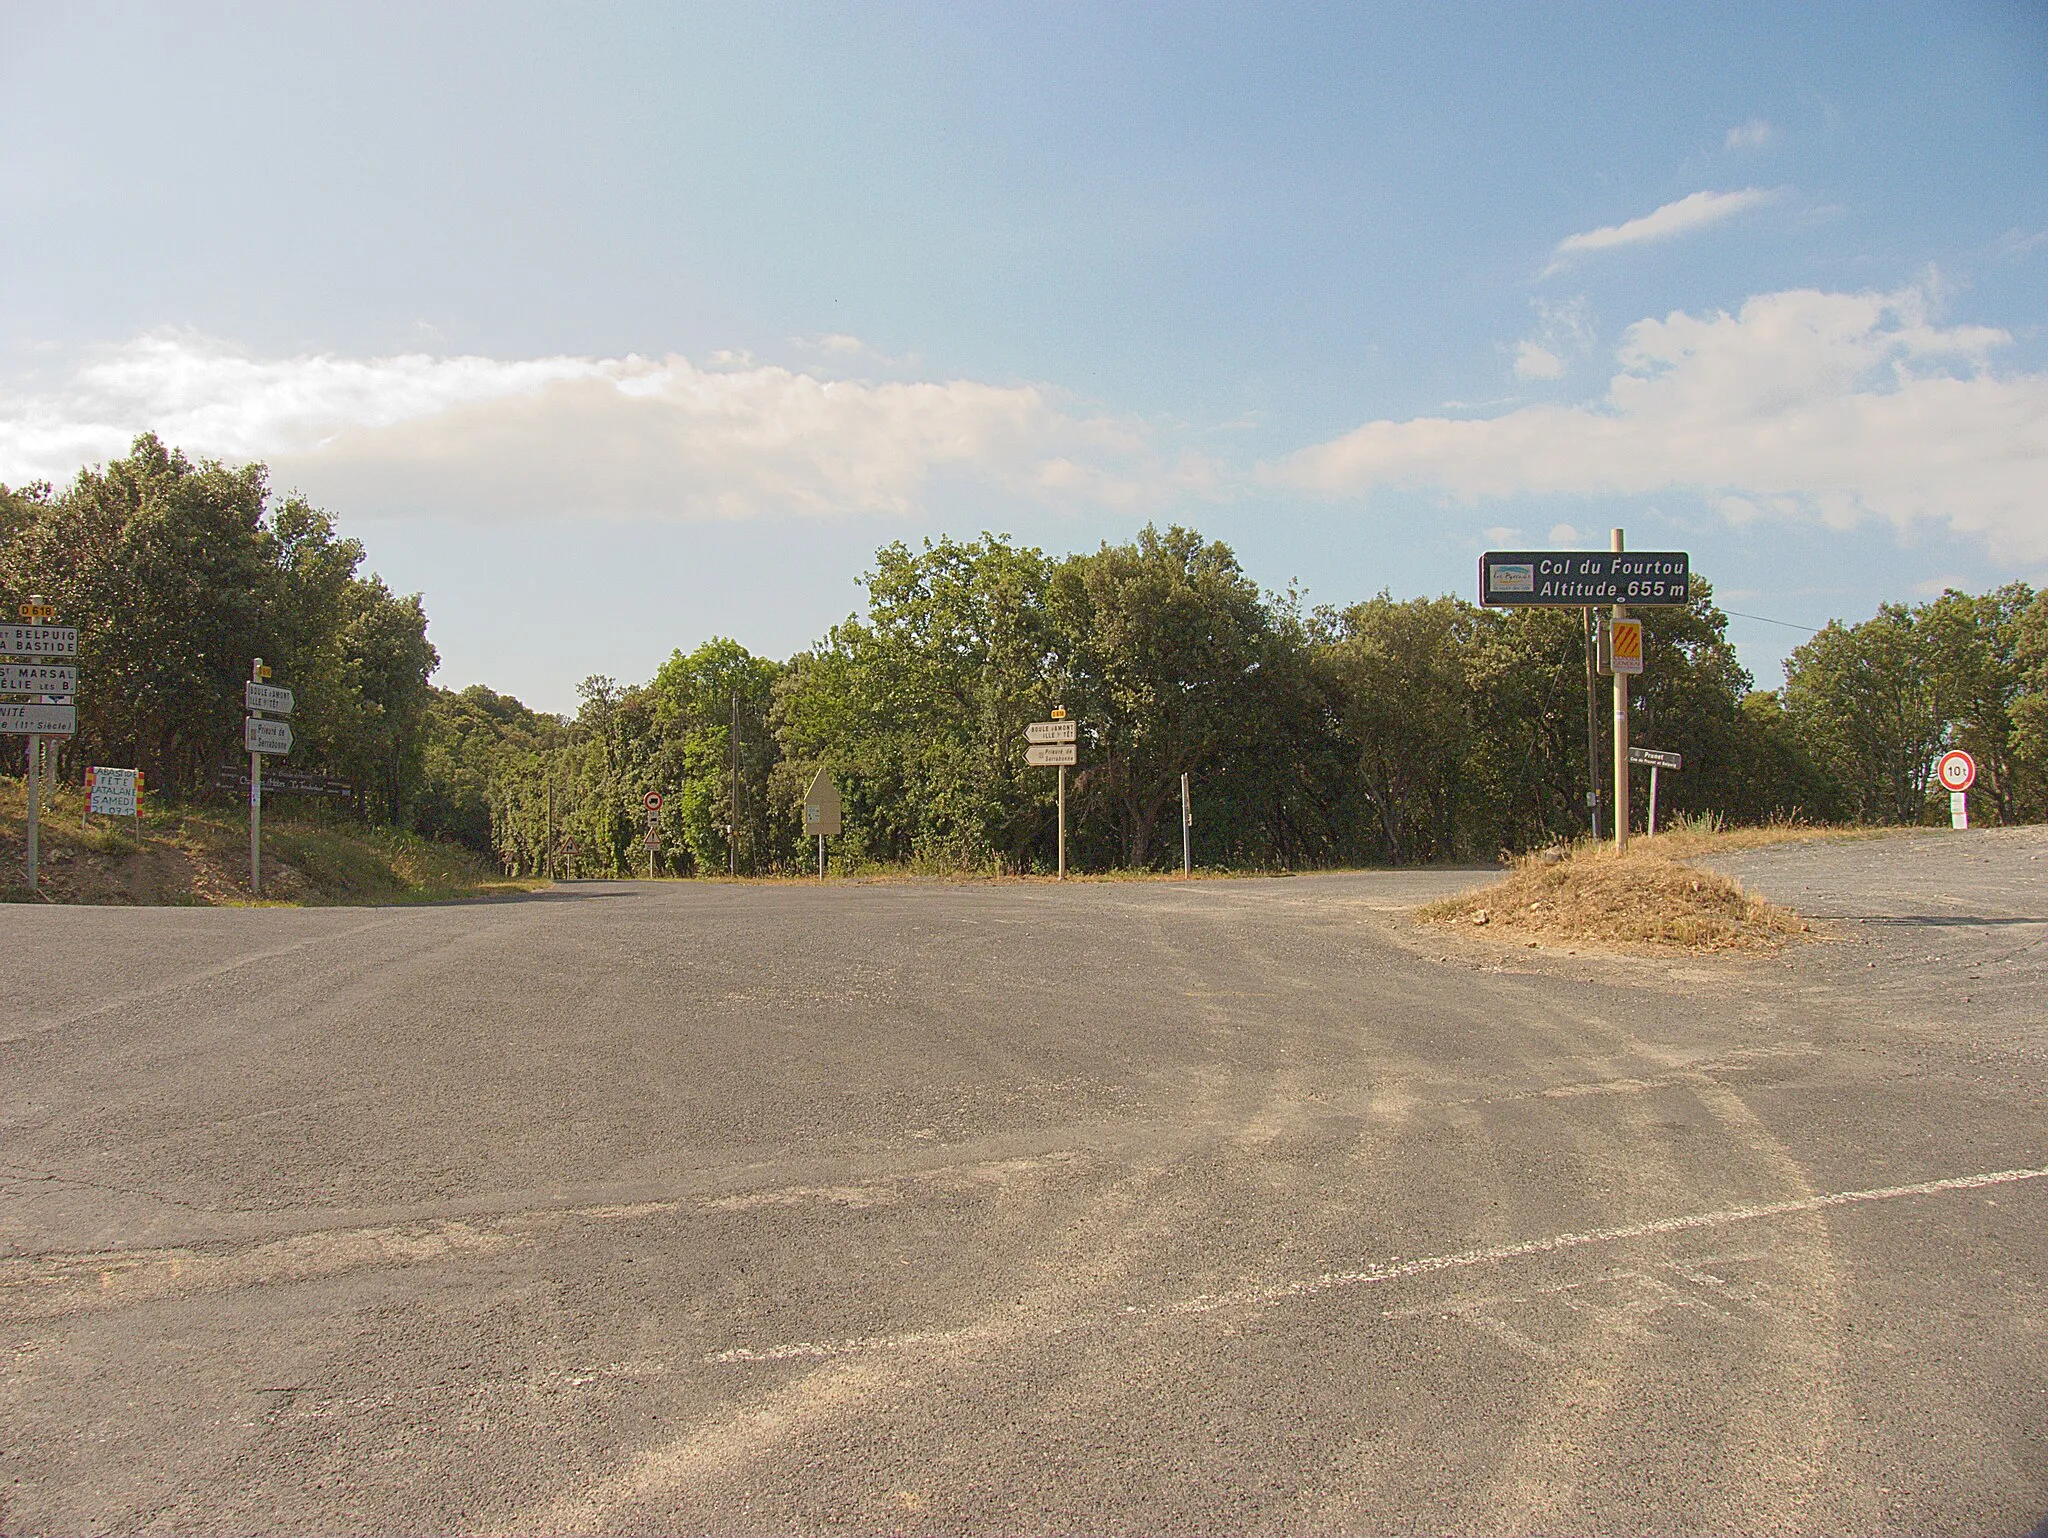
[
  {"x": 1331, "y": 1281},
  {"x": 1494, "y": 1254}
]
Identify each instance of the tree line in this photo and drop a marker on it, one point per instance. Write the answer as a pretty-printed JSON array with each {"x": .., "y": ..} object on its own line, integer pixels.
[{"x": 1389, "y": 731}]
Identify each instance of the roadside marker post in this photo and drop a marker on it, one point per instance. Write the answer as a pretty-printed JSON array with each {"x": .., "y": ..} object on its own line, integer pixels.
[
  {"x": 1187, "y": 831},
  {"x": 51, "y": 709},
  {"x": 1957, "y": 770},
  {"x": 1055, "y": 744}
]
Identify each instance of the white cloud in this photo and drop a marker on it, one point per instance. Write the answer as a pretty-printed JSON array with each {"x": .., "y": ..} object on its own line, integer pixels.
[
  {"x": 1564, "y": 536},
  {"x": 1537, "y": 362},
  {"x": 1840, "y": 407},
  {"x": 1753, "y": 135},
  {"x": 1694, "y": 211},
  {"x": 624, "y": 437}
]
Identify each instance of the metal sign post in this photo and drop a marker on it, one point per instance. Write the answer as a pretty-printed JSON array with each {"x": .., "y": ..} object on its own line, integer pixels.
[
  {"x": 1187, "y": 831},
  {"x": 49, "y": 710},
  {"x": 1055, "y": 744},
  {"x": 653, "y": 804},
  {"x": 261, "y": 736},
  {"x": 1592, "y": 579},
  {"x": 1623, "y": 656}
]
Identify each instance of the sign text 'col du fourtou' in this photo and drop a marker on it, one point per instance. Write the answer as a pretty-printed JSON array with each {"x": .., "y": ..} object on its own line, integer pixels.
[{"x": 1584, "y": 578}]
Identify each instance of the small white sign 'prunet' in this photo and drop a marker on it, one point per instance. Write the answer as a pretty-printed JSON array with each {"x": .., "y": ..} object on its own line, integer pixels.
[{"x": 18, "y": 719}]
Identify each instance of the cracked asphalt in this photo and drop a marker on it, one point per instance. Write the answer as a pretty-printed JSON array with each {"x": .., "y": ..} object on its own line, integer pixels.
[{"x": 1227, "y": 1207}]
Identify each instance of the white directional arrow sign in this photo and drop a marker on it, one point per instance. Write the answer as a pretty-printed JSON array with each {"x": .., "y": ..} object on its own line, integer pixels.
[
  {"x": 1053, "y": 731},
  {"x": 38, "y": 640},
  {"x": 266, "y": 736},
  {"x": 271, "y": 699},
  {"x": 18, "y": 720},
  {"x": 1051, "y": 755},
  {"x": 38, "y": 678}
]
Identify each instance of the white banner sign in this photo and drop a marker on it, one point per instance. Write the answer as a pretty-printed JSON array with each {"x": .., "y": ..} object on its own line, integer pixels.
[
  {"x": 38, "y": 678},
  {"x": 18, "y": 720},
  {"x": 113, "y": 792},
  {"x": 266, "y": 736},
  {"x": 1053, "y": 731},
  {"x": 38, "y": 640},
  {"x": 1048, "y": 755},
  {"x": 271, "y": 699}
]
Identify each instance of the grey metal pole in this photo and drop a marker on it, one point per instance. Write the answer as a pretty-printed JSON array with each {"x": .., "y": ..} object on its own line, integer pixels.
[
  {"x": 1620, "y": 737},
  {"x": 256, "y": 824},
  {"x": 732, "y": 827},
  {"x": 1063, "y": 822},
  {"x": 35, "y": 753},
  {"x": 256, "y": 803},
  {"x": 1653, "y": 800},
  {"x": 1593, "y": 720},
  {"x": 1187, "y": 832},
  {"x": 821, "y": 857}
]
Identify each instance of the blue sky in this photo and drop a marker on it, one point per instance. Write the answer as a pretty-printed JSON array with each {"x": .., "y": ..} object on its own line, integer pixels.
[{"x": 613, "y": 329}]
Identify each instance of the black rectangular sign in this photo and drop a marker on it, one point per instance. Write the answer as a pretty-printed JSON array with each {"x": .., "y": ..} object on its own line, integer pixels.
[
  {"x": 284, "y": 782},
  {"x": 1580, "y": 578}
]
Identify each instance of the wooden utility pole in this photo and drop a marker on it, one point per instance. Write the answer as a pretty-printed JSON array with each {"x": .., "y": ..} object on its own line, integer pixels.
[{"x": 1620, "y": 735}]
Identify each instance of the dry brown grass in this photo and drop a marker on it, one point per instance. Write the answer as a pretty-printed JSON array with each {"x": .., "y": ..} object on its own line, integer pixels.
[{"x": 1648, "y": 900}]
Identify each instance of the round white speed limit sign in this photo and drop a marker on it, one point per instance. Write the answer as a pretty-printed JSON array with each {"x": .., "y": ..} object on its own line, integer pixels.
[{"x": 1956, "y": 770}]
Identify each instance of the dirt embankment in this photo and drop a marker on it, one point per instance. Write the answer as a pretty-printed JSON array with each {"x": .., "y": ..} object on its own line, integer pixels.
[
  {"x": 1648, "y": 899},
  {"x": 200, "y": 856}
]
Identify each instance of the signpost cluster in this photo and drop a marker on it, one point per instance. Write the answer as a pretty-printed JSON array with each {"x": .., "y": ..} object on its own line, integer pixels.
[
  {"x": 262, "y": 736},
  {"x": 50, "y": 707},
  {"x": 1589, "y": 580},
  {"x": 1055, "y": 744}
]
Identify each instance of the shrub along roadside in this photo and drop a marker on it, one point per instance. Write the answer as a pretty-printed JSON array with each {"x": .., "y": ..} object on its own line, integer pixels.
[{"x": 199, "y": 856}]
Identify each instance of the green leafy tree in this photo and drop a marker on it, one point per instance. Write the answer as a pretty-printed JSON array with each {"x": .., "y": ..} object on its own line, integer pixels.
[
  {"x": 1863, "y": 702},
  {"x": 1164, "y": 641}
]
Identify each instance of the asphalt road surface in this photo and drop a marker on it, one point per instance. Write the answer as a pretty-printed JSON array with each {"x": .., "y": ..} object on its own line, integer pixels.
[{"x": 1234, "y": 1207}]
